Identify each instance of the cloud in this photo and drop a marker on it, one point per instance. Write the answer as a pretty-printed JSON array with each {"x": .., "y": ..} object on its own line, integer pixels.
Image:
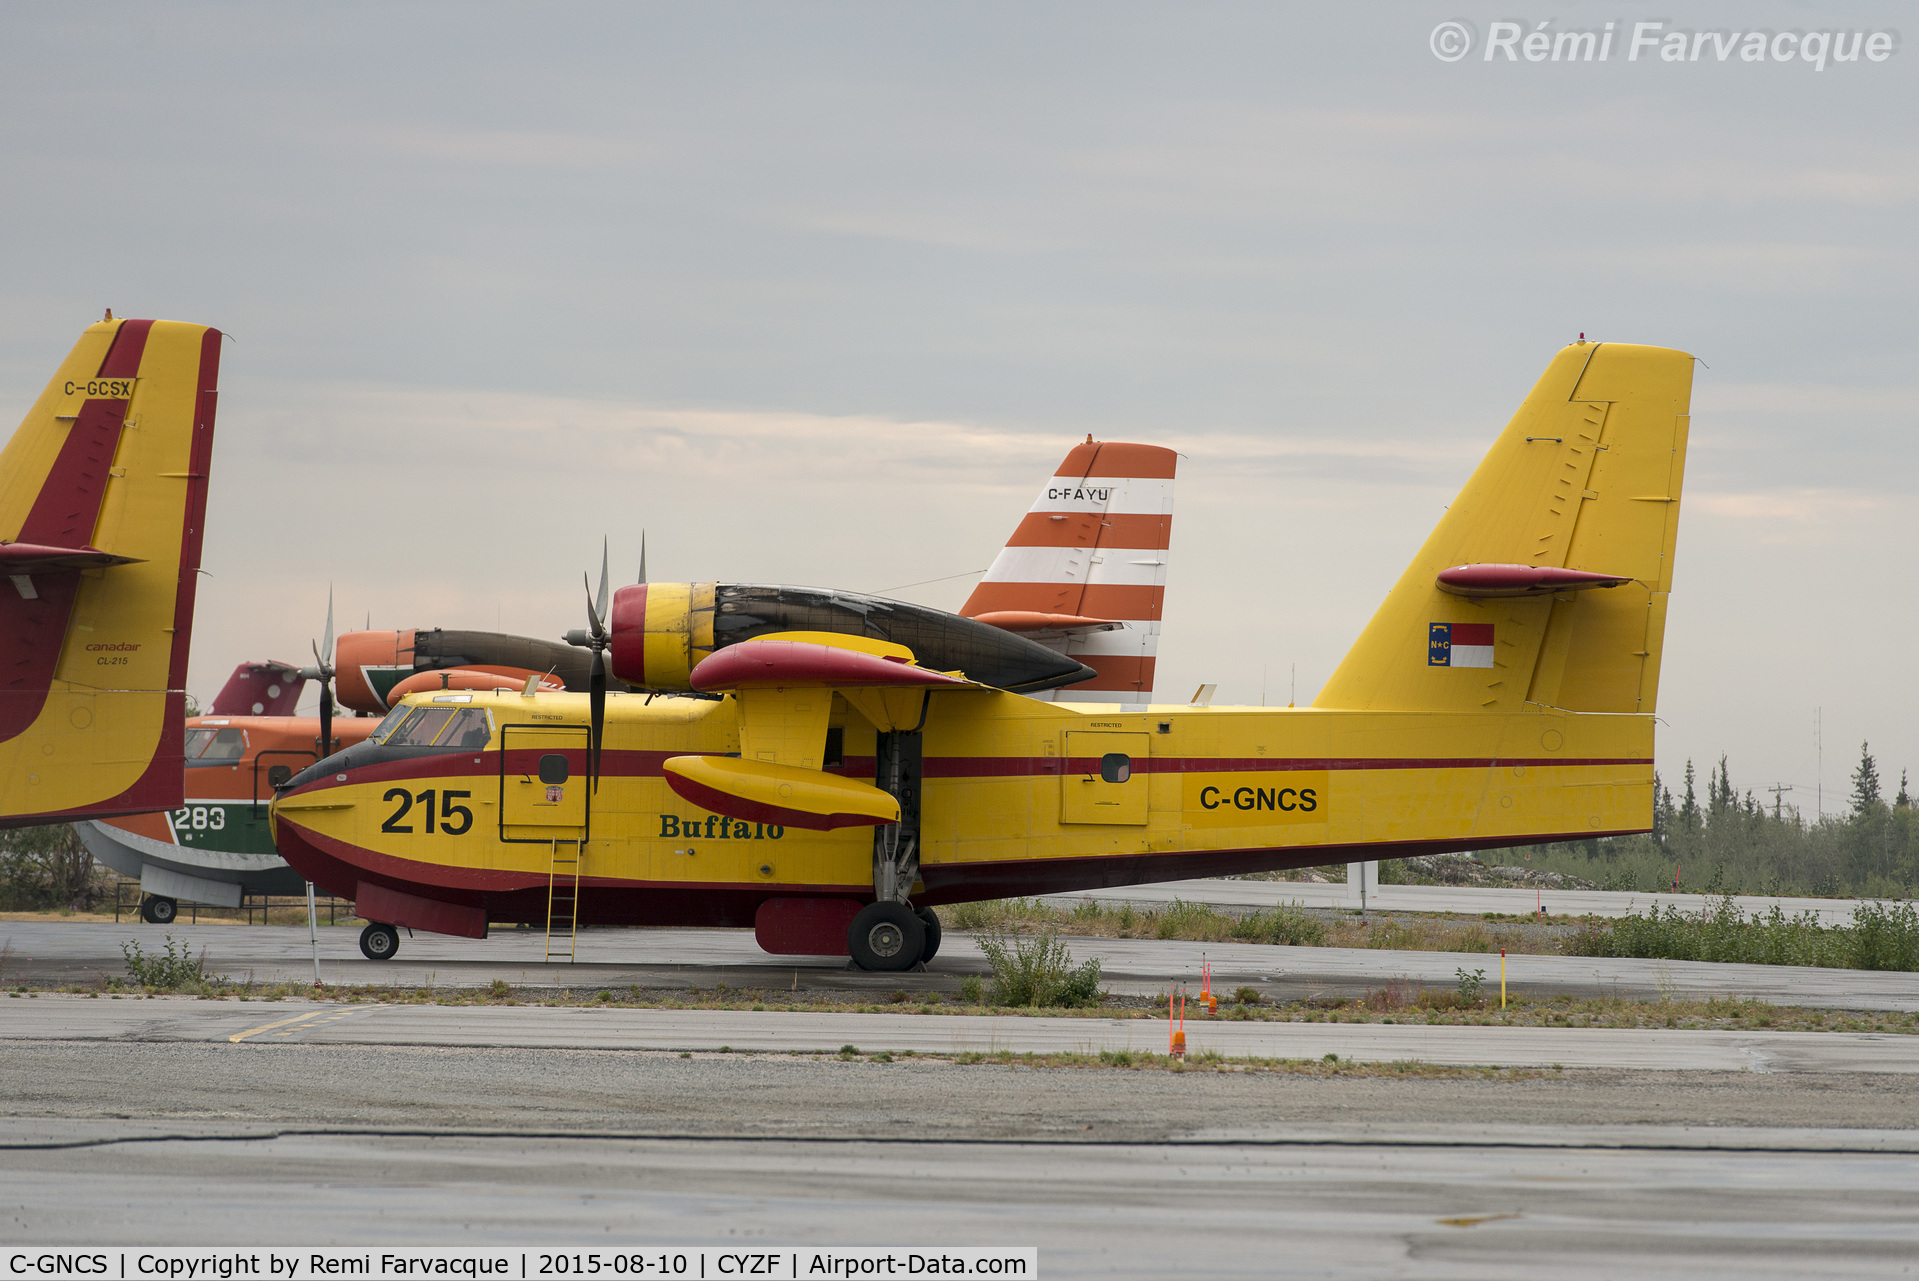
[
  {"x": 1747, "y": 267},
  {"x": 525, "y": 148},
  {"x": 1797, "y": 517},
  {"x": 1801, "y": 398}
]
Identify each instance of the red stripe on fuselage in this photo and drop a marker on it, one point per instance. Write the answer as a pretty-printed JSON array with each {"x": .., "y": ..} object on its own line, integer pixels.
[{"x": 629, "y": 764}]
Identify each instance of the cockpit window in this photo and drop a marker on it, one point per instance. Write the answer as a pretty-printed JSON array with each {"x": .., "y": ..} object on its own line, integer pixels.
[
  {"x": 469, "y": 728},
  {"x": 216, "y": 745},
  {"x": 421, "y": 728},
  {"x": 466, "y": 727},
  {"x": 389, "y": 724}
]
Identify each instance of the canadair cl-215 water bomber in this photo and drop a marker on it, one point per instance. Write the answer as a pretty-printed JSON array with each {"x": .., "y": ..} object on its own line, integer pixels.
[{"x": 829, "y": 766}]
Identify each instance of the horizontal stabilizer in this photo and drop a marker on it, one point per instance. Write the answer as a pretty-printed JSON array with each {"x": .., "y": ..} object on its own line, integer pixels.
[
  {"x": 1028, "y": 622},
  {"x": 34, "y": 558},
  {"x": 783, "y": 795},
  {"x": 1484, "y": 582}
]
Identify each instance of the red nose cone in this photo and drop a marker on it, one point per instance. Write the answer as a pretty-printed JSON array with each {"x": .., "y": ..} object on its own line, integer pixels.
[{"x": 627, "y": 653}]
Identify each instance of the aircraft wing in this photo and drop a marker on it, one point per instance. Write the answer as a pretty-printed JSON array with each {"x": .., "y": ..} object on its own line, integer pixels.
[{"x": 785, "y": 685}]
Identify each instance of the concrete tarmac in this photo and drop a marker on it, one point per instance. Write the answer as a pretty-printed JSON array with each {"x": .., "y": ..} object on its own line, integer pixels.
[
  {"x": 69, "y": 1018},
  {"x": 48, "y": 953},
  {"x": 1468, "y": 900},
  {"x": 1138, "y": 1174}
]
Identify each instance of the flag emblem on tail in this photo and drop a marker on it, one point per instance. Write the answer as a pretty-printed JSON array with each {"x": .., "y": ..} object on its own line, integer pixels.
[{"x": 1460, "y": 645}]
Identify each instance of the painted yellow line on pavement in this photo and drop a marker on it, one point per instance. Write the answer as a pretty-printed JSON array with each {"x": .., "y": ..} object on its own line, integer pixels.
[{"x": 268, "y": 1027}]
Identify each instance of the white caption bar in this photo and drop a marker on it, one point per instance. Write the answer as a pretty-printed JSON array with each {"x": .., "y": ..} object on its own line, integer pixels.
[{"x": 286, "y": 1263}]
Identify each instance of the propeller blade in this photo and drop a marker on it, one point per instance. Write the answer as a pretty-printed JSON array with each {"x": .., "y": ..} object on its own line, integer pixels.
[
  {"x": 642, "y": 555},
  {"x": 593, "y": 628},
  {"x": 596, "y": 702},
  {"x": 599, "y": 609},
  {"x": 326, "y": 659},
  {"x": 326, "y": 719}
]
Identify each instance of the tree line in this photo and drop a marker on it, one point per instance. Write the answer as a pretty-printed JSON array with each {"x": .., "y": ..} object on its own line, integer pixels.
[{"x": 1736, "y": 842}]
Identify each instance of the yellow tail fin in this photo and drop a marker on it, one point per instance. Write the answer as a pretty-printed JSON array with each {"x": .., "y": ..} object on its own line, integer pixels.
[
  {"x": 102, "y": 501},
  {"x": 1546, "y": 581}
]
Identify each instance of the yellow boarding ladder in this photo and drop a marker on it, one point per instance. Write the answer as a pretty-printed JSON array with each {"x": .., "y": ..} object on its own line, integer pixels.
[{"x": 563, "y": 900}]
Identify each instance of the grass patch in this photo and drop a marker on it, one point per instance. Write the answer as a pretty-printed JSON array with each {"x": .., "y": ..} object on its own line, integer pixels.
[
  {"x": 1286, "y": 924},
  {"x": 1881, "y": 937}
]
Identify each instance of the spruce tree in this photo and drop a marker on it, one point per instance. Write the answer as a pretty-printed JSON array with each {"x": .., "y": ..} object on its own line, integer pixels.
[
  {"x": 1689, "y": 808},
  {"x": 1865, "y": 783},
  {"x": 1903, "y": 801}
]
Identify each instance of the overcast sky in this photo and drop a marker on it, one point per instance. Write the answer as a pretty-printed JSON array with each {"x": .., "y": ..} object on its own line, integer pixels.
[{"x": 819, "y": 293}]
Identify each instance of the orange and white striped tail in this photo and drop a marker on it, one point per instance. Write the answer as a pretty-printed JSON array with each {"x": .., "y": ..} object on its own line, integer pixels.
[{"x": 1085, "y": 572}]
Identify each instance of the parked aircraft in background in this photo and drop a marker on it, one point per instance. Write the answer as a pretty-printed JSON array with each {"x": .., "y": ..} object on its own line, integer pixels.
[
  {"x": 216, "y": 848},
  {"x": 103, "y": 494},
  {"x": 1085, "y": 572}
]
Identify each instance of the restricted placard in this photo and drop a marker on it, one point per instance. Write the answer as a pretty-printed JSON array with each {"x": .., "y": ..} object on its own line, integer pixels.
[{"x": 543, "y": 1263}]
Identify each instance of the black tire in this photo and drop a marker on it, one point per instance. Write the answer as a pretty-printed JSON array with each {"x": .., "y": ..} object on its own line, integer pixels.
[
  {"x": 931, "y": 921},
  {"x": 886, "y": 936},
  {"x": 379, "y": 942},
  {"x": 158, "y": 910}
]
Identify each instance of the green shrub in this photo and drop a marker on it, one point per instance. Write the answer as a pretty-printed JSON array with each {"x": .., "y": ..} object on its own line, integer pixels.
[
  {"x": 1470, "y": 985},
  {"x": 1038, "y": 970},
  {"x": 1884, "y": 938},
  {"x": 172, "y": 969}
]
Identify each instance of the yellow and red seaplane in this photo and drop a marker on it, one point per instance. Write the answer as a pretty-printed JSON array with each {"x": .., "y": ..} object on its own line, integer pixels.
[{"x": 826, "y": 766}]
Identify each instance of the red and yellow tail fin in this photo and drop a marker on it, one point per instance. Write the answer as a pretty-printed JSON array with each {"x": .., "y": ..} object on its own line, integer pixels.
[
  {"x": 103, "y": 495},
  {"x": 1085, "y": 572},
  {"x": 1545, "y": 583}
]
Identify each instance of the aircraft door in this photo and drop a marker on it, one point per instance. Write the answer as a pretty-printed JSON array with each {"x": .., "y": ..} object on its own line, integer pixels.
[
  {"x": 543, "y": 783},
  {"x": 1102, "y": 781}
]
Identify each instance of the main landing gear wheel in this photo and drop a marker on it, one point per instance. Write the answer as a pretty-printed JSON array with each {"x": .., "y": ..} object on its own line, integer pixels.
[
  {"x": 158, "y": 910},
  {"x": 886, "y": 936},
  {"x": 379, "y": 942},
  {"x": 931, "y": 921}
]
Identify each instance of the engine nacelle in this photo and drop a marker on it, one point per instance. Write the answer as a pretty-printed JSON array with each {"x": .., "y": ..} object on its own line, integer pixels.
[
  {"x": 370, "y": 665},
  {"x": 661, "y": 631}
]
